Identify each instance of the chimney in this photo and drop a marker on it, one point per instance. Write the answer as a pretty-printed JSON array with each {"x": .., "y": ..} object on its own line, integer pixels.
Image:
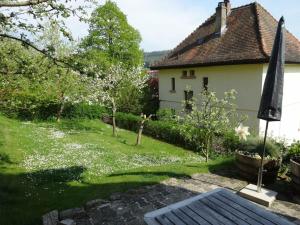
[{"x": 222, "y": 12}]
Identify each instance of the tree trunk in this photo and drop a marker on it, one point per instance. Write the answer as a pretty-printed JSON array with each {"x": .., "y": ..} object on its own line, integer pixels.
[
  {"x": 62, "y": 106},
  {"x": 114, "y": 119},
  {"x": 59, "y": 113},
  {"x": 139, "y": 137},
  {"x": 207, "y": 148}
]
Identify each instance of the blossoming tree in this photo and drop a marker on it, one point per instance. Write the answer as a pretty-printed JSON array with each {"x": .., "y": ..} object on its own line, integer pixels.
[
  {"x": 212, "y": 116},
  {"x": 108, "y": 86}
]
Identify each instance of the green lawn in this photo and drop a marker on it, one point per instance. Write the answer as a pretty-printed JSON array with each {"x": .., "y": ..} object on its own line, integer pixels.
[{"x": 46, "y": 166}]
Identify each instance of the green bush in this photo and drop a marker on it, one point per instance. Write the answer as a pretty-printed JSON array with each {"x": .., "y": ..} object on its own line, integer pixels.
[
  {"x": 231, "y": 141},
  {"x": 84, "y": 111},
  {"x": 255, "y": 146},
  {"x": 167, "y": 131},
  {"x": 166, "y": 114},
  {"x": 49, "y": 110},
  {"x": 294, "y": 149}
]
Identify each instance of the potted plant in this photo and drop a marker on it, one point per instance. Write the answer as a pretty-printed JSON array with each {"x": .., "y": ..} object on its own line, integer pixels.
[
  {"x": 294, "y": 152},
  {"x": 248, "y": 160}
]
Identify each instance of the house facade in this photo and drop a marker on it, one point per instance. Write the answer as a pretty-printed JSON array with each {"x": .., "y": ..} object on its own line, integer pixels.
[{"x": 231, "y": 50}]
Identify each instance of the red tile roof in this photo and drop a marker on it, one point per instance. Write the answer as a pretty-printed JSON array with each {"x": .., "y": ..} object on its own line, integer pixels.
[{"x": 249, "y": 39}]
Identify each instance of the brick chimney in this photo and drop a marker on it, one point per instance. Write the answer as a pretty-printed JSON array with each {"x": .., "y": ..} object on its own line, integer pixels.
[{"x": 222, "y": 12}]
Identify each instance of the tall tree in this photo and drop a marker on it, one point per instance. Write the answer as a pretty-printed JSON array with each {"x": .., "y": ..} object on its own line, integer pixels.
[{"x": 111, "y": 39}]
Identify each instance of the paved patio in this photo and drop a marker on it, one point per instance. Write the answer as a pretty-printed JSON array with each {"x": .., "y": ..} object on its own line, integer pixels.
[{"x": 129, "y": 208}]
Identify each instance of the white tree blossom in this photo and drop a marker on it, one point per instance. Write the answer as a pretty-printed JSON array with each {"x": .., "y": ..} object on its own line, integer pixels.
[{"x": 107, "y": 86}]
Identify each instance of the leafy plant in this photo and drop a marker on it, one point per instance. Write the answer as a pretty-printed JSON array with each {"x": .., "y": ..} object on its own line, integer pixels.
[
  {"x": 294, "y": 149},
  {"x": 254, "y": 146},
  {"x": 166, "y": 114},
  {"x": 212, "y": 116}
]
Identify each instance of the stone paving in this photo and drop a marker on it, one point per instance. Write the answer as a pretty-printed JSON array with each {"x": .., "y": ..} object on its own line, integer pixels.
[{"x": 129, "y": 208}]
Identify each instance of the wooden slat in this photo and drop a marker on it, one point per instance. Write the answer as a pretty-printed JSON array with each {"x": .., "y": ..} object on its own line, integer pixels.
[
  {"x": 256, "y": 209},
  {"x": 195, "y": 216},
  {"x": 232, "y": 210},
  {"x": 251, "y": 214},
  {"x": 186, "y": 219},
  {"x": 174, "y": 219},
  {"x": 208, "y": 214},
  {"x": 163, "y": 220},
  {"x": 223, "y": 212}
]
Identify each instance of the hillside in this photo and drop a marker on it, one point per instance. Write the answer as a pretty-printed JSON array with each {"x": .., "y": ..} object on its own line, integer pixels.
[
  {"x": 151, "y": 57},
  {"x": 48, "y": 165}
]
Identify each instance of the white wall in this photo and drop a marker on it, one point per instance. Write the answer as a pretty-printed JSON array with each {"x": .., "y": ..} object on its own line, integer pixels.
[
  {"x": 245, "y": 79},
  {"x": 289, "y": 126}
]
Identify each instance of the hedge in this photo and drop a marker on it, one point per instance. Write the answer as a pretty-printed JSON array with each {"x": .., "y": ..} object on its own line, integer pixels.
[
  {"x": 49, "y": 110},
  {"x": 162, "y": 130}
]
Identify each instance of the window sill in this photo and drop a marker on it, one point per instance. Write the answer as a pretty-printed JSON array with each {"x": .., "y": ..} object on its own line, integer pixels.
[{"x": 173, "y": 92}]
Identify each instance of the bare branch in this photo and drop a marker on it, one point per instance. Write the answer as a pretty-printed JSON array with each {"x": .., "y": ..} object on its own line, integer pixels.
[
  {"x": 56, "y": 61},
  {"x": 24, "y": 42},
  {"x": 22, "y": 3}
]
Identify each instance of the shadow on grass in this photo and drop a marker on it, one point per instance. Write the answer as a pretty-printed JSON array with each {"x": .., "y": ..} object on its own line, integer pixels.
[
  {"x": 56, "y": 175},
  {"x": 4, "y": 158},
  {"x": 30, "y": 195}
]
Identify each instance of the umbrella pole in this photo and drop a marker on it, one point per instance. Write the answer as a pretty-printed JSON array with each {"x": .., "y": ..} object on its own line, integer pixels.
[{"x": 261, "y": 168}]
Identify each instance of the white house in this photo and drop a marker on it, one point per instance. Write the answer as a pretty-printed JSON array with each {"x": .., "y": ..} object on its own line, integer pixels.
[{"x": 231, "y": 50}]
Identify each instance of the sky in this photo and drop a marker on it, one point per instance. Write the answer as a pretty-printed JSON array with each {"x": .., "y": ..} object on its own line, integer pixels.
[{"x": 163, "y": 24}]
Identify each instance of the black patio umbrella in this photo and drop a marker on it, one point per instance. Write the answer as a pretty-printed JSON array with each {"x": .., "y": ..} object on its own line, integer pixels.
[{"x": 271, "y": 101}]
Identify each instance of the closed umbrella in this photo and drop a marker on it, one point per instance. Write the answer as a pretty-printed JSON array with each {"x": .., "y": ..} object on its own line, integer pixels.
[{"x": 271, "y": 101}]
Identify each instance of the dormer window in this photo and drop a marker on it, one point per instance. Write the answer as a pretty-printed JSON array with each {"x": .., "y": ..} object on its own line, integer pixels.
[{"x": 188, "y": 74}]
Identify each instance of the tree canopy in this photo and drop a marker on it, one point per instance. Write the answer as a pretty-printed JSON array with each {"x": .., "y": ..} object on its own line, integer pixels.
[
  {"x": 111, "y": 39},
  {"x": 23, "y": 19}
]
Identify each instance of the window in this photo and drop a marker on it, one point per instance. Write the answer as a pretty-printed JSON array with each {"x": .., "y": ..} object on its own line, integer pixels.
[
  {"x": 188, "y": 97},
  {"x": 192, "y": 73},
  {"x": 205, "y": 83},
  {"x": 173, "y": 84},
  {"x": 188, "y": 74}
]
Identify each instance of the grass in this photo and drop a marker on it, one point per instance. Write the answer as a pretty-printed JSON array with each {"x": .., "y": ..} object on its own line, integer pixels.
[{"x": 46, "y": 166}]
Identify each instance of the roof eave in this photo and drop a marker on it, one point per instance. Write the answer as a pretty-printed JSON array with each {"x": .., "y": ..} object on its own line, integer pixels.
[{"x": 190, "y": 65}]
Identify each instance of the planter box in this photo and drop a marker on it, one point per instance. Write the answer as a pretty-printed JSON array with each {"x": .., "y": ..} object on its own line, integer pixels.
[
  {"x": 248, "y": 168},
  {"x": 295, "y": 169}
]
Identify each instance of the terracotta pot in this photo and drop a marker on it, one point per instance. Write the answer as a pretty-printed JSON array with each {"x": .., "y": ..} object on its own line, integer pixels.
[
  {"x": 295, "y": 169},
  {"x": 248, "y": 168}
]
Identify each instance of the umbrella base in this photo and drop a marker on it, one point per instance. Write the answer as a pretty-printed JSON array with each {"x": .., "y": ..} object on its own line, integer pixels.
[{"x": 265, "y": 197}]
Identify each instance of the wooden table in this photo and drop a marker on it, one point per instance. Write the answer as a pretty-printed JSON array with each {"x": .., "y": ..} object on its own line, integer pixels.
[{"x": 218, "y": 207}]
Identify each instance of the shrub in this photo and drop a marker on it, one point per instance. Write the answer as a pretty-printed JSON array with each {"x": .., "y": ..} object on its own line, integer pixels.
[
  {"x": 84, "y": 111},
  {"x": 167, "y": 131},
  {"x": 294, "y": 149},
  {"x": 231, "y": 141},
  {"x": 166, "y": 114},
  {"x": 49, "y": 110},
  {"x": 255, "y": 146}
]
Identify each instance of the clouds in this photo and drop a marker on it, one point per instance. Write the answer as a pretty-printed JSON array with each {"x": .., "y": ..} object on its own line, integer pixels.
[{"x": 163, "y": 24}]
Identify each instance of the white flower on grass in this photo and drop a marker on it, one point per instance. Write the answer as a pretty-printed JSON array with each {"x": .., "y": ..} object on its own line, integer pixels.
[
  {"x": 242, "y": 132},
  {"x": 56, "y": 134}
]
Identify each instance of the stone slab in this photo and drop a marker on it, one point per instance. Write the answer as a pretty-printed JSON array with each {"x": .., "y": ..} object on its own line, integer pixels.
[
  {"x": 51, "y": 218},
  {"x": 265, "y": 197},
  {"x": 67, "y": 222}
]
